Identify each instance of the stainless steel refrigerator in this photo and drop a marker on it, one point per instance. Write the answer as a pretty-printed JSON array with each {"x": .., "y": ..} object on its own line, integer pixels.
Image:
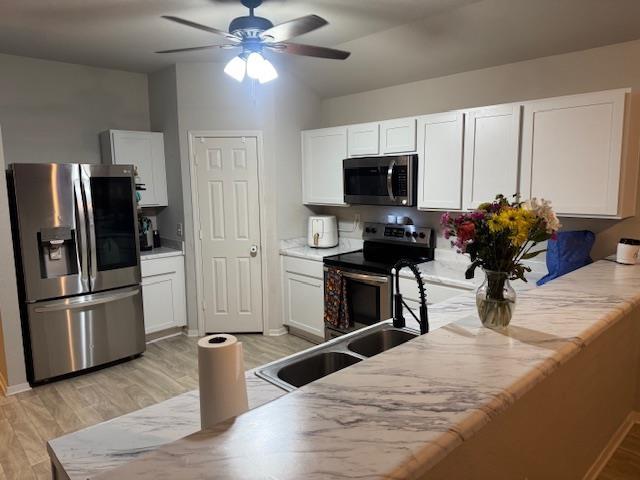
[{"x": 78, "y": 263}]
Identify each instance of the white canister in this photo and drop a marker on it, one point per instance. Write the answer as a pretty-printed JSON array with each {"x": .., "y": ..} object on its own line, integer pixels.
[{"x": 627, "y": 251}]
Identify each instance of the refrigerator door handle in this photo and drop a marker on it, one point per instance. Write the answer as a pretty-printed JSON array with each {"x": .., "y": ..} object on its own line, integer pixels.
[
  {"x": 93, "y": 263},
  {"x": 81, "y": 238},
  {"x": 94, "y": 300}
]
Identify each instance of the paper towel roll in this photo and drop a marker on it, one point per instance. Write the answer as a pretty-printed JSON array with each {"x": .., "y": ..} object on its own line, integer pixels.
[{"x": 223, "y": 390}]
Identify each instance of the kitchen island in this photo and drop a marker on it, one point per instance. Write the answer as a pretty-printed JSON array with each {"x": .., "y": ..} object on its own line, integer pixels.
[{"x": 539, "y": 400}]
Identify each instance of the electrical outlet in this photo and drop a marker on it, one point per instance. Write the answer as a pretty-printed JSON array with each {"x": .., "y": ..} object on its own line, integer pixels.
[{"x": 179, "y": 230}]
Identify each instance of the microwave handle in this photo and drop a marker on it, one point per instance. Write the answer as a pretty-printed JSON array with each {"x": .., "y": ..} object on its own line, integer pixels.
[{"x": 392, "y": 165}]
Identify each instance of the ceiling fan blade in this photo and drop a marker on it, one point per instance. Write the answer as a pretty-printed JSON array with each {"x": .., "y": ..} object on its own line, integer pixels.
[
  {"x": 215, "y": 31},
  {"x": 293, "y": 28},
  {"x": 310, "y": 51},
  {"x": 189, "y": 49}
]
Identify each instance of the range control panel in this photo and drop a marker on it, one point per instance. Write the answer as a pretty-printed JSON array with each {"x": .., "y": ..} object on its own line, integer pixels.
[{"x": 391, "y": 232}]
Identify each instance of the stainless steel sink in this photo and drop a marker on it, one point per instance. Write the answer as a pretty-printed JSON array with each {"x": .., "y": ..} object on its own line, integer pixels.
[
  {"x": 320, "y": 365},
  {"x": 327, "y": 358},
  {"x": 379, "y": 341}
]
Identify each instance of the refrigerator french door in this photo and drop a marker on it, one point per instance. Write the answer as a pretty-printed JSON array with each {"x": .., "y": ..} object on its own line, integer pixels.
[{"x": 78, "y": 258}]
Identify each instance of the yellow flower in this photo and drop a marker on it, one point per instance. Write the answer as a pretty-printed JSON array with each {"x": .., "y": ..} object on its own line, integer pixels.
[
  {"x": 508, "y": 218},
  {"x": 494, "y": 224},
  {"x": 523, "y": 222}
]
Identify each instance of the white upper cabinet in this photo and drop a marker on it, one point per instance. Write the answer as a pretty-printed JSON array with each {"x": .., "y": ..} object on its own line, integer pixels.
[
  {"x": 491, "y": 153},
  {"x": 575, "y": 153},
  {"x": 364, "y": 139},
  {"x": 440, "y": 161},
  {"x": 145, "y": 150},
  {"x": 322, "y": 154},
  {"x": 398, "y": 136}
]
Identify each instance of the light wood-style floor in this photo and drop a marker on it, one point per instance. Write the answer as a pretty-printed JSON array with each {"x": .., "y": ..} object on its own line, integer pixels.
[
  {"x": 168, "y": 368},
  {"x": 625, "y": 462}
]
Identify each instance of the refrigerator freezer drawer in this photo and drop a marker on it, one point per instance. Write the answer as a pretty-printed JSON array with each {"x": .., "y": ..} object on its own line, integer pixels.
[{"x": 86, "y": 331}]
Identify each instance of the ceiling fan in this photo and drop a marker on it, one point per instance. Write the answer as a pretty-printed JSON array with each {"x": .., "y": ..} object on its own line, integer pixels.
[{"x": 255, "y": 35}]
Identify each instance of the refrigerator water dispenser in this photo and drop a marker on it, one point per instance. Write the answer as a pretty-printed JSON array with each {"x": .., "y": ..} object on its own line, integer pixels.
[{"x": 58, "y": 255}]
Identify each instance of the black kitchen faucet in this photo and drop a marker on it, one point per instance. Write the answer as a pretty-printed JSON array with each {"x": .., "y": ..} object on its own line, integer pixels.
[{"x": 398, "y": 302}]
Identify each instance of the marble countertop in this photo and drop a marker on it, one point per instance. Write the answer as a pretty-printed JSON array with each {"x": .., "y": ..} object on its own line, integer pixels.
[
  {"x": 113, "y": 443},
  {"x": 160, "y": 252},
  {"x": 397, "y": 414},
  {"x": 297, "y": 247}
]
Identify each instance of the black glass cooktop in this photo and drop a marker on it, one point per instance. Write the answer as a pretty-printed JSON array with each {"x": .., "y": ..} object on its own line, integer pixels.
[{"x": 379, "y": 257}]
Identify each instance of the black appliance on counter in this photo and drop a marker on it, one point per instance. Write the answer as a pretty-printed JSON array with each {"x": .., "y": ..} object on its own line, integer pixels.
[{"x": 367, "y": 272}]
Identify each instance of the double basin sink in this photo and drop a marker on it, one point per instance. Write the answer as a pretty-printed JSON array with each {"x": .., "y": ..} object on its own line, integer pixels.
[{"x": 342, "y": 352}]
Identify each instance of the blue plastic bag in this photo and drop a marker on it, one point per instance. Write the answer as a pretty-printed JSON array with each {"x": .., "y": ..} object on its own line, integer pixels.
[{"x": 568, "y": 252}]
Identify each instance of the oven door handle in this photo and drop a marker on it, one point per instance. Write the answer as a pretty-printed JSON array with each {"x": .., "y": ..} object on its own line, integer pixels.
[
  {"x": 392, "y": 165},
  {"x": 363, "y": 277}
]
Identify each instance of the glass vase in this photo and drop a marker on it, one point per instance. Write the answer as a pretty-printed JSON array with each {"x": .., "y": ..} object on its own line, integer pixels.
[{"x": 496, "y": 300}]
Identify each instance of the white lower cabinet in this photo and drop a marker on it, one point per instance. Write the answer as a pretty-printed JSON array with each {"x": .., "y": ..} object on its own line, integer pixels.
[
  {"x": 303, "y": 289},
  {"x": 163, "y": 293}
]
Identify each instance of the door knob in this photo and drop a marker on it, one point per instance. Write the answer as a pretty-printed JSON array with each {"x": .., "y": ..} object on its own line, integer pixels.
[{"x": 253, "y": 250}]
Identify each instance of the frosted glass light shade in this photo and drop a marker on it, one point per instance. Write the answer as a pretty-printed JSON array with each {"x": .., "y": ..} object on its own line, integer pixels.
[
  {"x": 236, "y": 68},
  {"x": 254, "y": 65},
  {"x": 268, "y": 72}
]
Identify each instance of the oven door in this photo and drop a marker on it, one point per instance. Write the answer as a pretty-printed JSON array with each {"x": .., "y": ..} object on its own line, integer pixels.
[
  {"x": 368, "y": 298},
  {"x": 380, "y": 180}
]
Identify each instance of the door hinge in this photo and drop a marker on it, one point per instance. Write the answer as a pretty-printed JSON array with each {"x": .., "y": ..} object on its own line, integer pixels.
[
  {"x": 204, "y": 306},
  {"x": 200, "y": 234},
  {"x": 195, "y": 158}
]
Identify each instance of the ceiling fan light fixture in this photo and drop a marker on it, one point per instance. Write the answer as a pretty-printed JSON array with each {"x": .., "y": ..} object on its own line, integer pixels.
[
  {"x": 268, "y": 72},
  {"x": 236, "y": 68},
  {"x": 255, "y": 63}
]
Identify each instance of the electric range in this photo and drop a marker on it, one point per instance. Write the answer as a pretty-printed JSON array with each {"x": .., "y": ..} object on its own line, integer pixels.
[{"x": 367, "y": 273}]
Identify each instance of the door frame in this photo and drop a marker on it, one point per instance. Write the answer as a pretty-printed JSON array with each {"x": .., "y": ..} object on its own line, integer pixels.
[{"x": 195, "y": 207}]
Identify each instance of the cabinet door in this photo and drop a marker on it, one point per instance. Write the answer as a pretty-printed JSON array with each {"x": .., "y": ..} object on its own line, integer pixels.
[
  {"x": 157, "y": 298},
  {"x": 322, "y": 154},
  {"x": 572, "y": 150},
  {"x": 159, "y": 169},
  {"x": 364, "y": 139},
  {"x": 398, "y": 136},
  {"x": 491, "y": 153},
  {"x": 304, "y": 303},
  {"x": 440, "y": 161},
  {"x": 145, "y": 150},
  {"x": 163, "y": 293}
]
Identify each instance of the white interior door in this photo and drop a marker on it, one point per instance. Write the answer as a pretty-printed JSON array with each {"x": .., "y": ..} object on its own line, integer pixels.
[{"x": 229, "y": 233}]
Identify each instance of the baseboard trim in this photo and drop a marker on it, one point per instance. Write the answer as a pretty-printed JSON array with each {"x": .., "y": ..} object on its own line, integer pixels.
[
  {"x": 193, "y": 332},
  {"x": 613, "y": 444},
  {"x": 276, "y": 332},
  {"x": 19, "y": 388},
  {"x": 306, "y": 335},
  {"x": 162, "y": 334}
]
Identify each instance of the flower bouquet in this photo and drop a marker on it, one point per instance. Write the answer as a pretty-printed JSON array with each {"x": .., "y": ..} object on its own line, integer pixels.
[{"x": 498, "y": 236}]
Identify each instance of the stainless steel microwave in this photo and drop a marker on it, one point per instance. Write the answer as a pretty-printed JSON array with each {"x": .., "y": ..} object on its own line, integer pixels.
[{"x": 389, "y": 180}]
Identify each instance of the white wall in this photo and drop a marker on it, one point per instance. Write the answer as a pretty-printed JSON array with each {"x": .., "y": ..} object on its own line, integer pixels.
[
  {"x": 163, "y": 113},
  {"x": 602, "y": 68},
  {"x": 208, "y": 99},
  {"x": 14, "y": 373},
  {"x": 53, "y": 112}
]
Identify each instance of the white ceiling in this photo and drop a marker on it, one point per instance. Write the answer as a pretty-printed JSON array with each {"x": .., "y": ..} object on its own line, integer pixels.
[{"x": 392, "y": 41}]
